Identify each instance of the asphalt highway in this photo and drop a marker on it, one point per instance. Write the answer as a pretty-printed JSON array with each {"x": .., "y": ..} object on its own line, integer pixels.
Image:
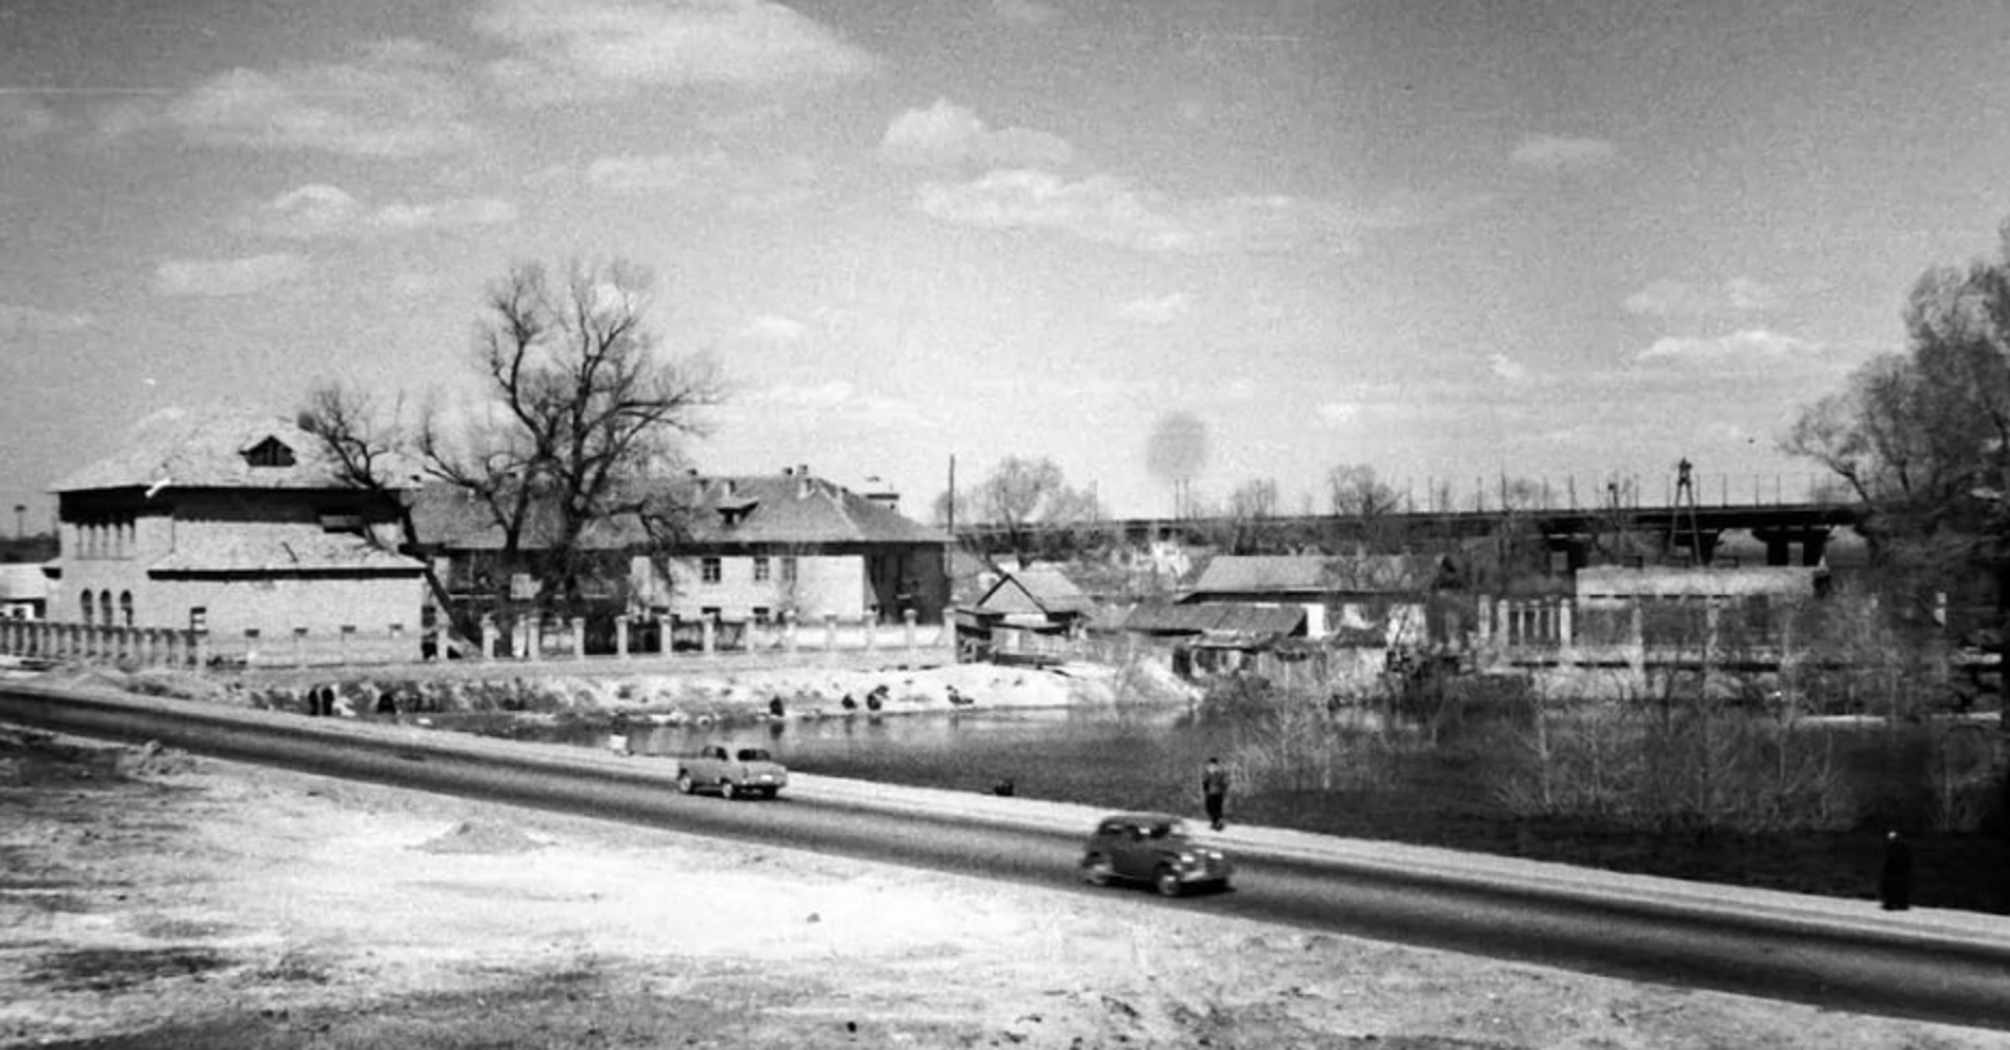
[{"x": 1942, "y": 966}]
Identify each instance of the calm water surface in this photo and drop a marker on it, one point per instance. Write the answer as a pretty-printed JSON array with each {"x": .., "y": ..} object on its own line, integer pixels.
[{"x": 1132, "y": 757}]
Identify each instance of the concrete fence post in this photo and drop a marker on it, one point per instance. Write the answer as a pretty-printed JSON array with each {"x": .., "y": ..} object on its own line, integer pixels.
[
  {"x": 871, "y": 625},
  {"x": 1636, "y": 645},
  {"x": 621, "y": 637},
  {"x": 199, "y": 642},
  {"x": 579, "y": 637},
  {"x": 830, "y": 633},
  {"x": 488, "y": 628},
  {"x": 907, "y": 618},
  {"x": 708, "y": 635},
  {"x": 789, "y": 640},
  {"x": 1566, "y": 630}
]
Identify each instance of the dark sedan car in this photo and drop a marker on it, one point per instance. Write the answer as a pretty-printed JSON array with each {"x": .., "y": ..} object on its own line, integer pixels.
[{"x": 1154, "y": 848}]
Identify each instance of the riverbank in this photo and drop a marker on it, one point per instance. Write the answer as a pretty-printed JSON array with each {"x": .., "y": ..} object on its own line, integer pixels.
[{"x": 699, "y": 695}]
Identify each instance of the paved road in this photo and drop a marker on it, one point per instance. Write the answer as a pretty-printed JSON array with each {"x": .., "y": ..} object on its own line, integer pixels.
[{"x": 1944, "y": 966}]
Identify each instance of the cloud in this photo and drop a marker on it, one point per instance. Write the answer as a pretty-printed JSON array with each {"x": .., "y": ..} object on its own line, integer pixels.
[
  {"x": 947, "y": 134},
  {"x": 1160, "y": 311},
  {"x": 570, "y": 50},
  {"x": 395, "y": 100},
  {"x": 1746, "y": 346},
  {"x": 1507, "y": 368},
  {"x": 778, "y": 329},
  {"x": 225, "y": 277},
  {"x": 1024, "y": 12},
  {"x": 320, "y": 210},
  {"x": 833, "y": 399},
  {"x": 707, "y": 175},
  {"x": 24, "y": 117},
  {"x": 1553, "y": 153},
  {"x": 1679, "y": 299},
  {"x": 21, "y": 320},
  {"x": 1110, "y": 210}
]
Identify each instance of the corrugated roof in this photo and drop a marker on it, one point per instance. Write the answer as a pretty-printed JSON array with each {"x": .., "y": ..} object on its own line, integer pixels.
[
  {"x": 208, "y": 450},
  {"x": 1278, "y": 574},
  {"x": 1214, "y": 618},
  {"x": 256, "y": 547},
  {"x": 768, "y": 510}
]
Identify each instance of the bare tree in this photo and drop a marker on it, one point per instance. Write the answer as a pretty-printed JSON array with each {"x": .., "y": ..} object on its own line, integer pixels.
[
  {"x": 1021, "y": 493},
  {"x": 1364, "y": 505},
  {"x": 578, "y": 413}
]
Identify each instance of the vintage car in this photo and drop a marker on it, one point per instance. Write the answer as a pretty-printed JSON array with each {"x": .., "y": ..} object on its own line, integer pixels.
[
  {"x": 1154, "y": 848},
  {"x": 750, "y": 772}
]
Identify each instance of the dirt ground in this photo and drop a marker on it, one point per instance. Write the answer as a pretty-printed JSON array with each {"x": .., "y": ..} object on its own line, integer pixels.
[{"x": 151, "y": 899}]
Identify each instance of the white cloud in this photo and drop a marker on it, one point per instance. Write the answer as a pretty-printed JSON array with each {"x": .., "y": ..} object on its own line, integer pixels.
[
  {"x": 947, "y": 134},
  {"x": 395, "y": 100},
  {"x": 1748, "y": 345},
  {"x": 834, "y": 399},
  {"x": 1109, "y": 210},
  {"x": 16, "y": 319},
  {"x": 588, "y": 49},
  {"x": 1667, "y": 298},
  {"x": 1337, "y": 413},
  {"x": 1507, "y": 368},
  {"x": 1155, "y": 311},
  {"x": 778, "y": 329},
  {"x": 1554, "y": 153},
  {"x": 24, "y": 117},
  {"x": 321, "y": 210},
  {"x": 765, "y": 185},
  {"x": 224, "y": 277},
  {"x": 1024, "y": 12}
]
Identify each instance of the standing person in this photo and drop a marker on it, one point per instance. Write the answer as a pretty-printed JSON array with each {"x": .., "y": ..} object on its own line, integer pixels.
[{"x": 1214, "y": 790}]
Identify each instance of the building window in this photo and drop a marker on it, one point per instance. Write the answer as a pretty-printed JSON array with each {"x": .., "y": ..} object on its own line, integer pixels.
[
  {"x": 761, "y": 569},
  {"x": 105, "y": 608},
  {"x": 710, "y": 613},
  {"x": 709, "y": 570},
  {"x": 789, "y": 569},
  {"x": 125, "y": 608},
  {"x": 198, "y": 618},
  {"x": 762, "y": 614},
  {"x": 90, "y": 609}
]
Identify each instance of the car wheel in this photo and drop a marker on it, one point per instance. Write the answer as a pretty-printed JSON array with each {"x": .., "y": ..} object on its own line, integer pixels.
[
  {"x": 1167, "y": 883},
  {"x": 684, "y": 784},
  {"x": 1098, "y": 870},
  {"x": 727, "y": 790}
]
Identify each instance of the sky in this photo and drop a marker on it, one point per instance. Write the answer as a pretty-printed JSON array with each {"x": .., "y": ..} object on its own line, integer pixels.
[{"x": 1449, "y": 241}]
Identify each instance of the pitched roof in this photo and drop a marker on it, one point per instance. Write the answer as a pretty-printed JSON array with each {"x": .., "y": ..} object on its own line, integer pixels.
[
  {"x": 19, "y": 583},
  {"x": 1035, "y": 589},
  {"x": 766, "y": 509},
  {"x": 1278, "y": 574},
  {"x": 252, "y": 547},
  {"x": 1217, "y": 618},
  {"x": 210, "y": 450}
]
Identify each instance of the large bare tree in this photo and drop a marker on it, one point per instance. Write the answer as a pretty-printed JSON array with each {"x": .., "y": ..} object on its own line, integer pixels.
[{"x": 577, "y": 411}]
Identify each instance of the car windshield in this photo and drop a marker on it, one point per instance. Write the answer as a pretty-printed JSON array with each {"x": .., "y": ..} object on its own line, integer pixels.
[
  {"x": 1168, "y": 829},
  {"x": 753, "y": 754}
]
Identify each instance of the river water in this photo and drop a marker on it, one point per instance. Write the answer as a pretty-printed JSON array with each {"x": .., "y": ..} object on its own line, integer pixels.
[{"x": 1131, "y": 757}]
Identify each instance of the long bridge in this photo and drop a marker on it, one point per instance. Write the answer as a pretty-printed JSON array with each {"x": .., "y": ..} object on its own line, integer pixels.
[{"x": 1792, "y": 532}]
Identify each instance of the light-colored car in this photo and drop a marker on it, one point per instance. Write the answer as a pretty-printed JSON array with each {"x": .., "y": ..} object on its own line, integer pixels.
[
  {"x": 1154, "y": 848},
  {"x": 750, "y": 772}
]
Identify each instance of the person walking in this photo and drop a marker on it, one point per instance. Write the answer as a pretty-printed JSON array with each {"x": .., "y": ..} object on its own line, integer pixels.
[{"x": 1214, "y": 791}]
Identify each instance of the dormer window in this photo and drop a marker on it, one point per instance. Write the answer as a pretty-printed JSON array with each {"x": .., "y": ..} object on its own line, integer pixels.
[
  {"x": 731, "y": 514},
  {"x": 271, "y": 452}
]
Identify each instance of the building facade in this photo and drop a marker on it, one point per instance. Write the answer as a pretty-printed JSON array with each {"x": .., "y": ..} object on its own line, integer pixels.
[{"x": 240, "y": 528}]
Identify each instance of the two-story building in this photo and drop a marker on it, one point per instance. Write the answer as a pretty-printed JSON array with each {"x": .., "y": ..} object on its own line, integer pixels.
[
  {"x": 238, "y": 526},
  {"x": 746, "y": 549}
]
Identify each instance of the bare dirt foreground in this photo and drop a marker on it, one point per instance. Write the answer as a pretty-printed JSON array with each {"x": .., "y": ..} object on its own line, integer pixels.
[{"x": 150, "y": 899}]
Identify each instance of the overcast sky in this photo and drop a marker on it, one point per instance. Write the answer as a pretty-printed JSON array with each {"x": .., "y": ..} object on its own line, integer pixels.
[{"x": 1446, "y": 240}]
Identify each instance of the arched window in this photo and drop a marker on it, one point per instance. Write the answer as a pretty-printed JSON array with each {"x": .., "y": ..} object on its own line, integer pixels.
[
  {"x": 90, "y": 609},
  {"x": 105, "y": 606},
  {"x": 125, "y": 608}
]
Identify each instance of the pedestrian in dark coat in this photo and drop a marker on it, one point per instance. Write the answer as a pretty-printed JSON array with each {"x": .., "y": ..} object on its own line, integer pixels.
[
  {"x": 1894, "y": 884},
  {"x": 1214, "y": 791}
]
